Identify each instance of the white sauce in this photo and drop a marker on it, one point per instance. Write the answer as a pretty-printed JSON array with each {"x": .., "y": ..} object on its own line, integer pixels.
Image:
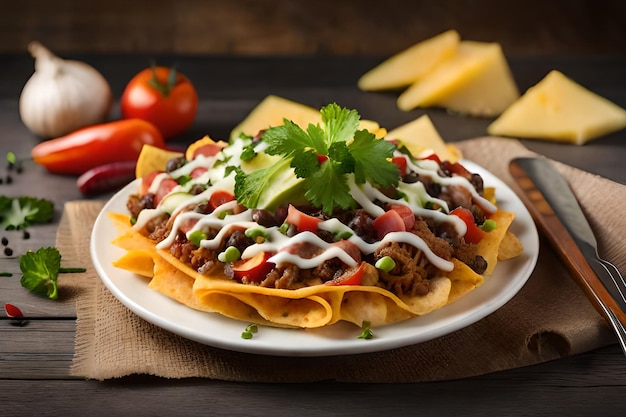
[{"x": 277, "y": 242}]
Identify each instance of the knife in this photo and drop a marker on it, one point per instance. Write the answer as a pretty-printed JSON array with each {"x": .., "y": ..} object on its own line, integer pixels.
[{"x": 555, "y": 209}]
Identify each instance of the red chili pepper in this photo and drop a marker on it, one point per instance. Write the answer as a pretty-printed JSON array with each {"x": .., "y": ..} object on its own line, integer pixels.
[
  {"x": 92, "y": 146},
  {"x": 13, "y": 312}
]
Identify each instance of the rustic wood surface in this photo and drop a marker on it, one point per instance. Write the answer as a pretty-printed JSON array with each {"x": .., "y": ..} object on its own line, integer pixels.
[
  {"x": 311, "y": 27},
  {"x": 35, "y": 359}
]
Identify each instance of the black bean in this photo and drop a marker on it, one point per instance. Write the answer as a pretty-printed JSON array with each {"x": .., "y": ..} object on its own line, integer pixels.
[
  {"x": 8, "y": 251},
  {"x": 5, "y": 241}
]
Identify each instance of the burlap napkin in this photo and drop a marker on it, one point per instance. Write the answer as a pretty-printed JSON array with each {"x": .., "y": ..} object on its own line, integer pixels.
[{"x": 548, "y": 319}]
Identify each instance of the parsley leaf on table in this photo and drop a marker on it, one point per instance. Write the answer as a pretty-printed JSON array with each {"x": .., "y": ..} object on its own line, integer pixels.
[
  {"x": 20, "y": 212},
  {"x": 40, "y": 271}
]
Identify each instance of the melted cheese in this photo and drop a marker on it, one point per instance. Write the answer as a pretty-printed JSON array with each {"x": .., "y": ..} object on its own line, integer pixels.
[{"x": 559, "y": 109}]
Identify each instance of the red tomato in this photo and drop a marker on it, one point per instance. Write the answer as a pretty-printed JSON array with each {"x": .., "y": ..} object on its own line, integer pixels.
[
  {"x": 473, "y": 234},
  {"x": 390, "y": 221},
  {"x": 408, "y": 217},
  {"x": 169, "y": 104},
  {"x": 146, "y": 182},
  {"x": 220, "y": 197},
  {"x": 198, "y": 172},
  {"x": 355, "y": 278},
  {"x": 302, "y": 221},
  {"x": 166, "y": 187},
  {"x": 400, "y": 161},
  {"x": 255, "y": 269},
  {"x": 209, "y": 149},
  {"x": 433, "y": 157}
]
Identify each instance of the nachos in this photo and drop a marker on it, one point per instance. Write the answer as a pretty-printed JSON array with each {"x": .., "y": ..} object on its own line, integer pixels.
[{"x": 304, "y": 226}]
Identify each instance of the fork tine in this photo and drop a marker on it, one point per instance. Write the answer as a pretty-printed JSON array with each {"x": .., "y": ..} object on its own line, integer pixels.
[{"x": 617, "y": 277}]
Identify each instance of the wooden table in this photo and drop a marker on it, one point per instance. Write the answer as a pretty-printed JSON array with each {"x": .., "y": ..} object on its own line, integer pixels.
[{"x": 35, "y": 359}]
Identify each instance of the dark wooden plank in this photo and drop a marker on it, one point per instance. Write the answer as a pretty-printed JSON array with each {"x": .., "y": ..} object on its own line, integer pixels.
[
  {"x": 323, "y": 27},
  {"x": 540, "y": 390}
]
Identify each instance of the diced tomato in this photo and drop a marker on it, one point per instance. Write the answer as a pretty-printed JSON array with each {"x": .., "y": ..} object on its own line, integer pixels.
[
  {"x": 146, "y": 182},
  {"x": 433, "y": 157},
  {"x": 400, "y": 161},
  {"x": 187, "y": 224},
  {"x": 220, "y": 197},
  {"x": 390, "y": 221},
  {"x": 165, "y": 187},
  {"x": 350, "y": 248},
  {"x": 197, "y": 172},
  {"x": 302, "y": 221},
  {"x": 253, "y": 269},
  {"x": 456, "y": 169},
  {"x": 321, "y": 159},
  {"x": 210, "y": 149},
  {"x": 356, "y": 278},
  {"x": 473, "y": 234},
  {"x": 406, "y": 213}
]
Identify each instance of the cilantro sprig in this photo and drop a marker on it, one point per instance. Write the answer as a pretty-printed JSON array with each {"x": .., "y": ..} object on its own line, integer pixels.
[{"x": 323, "y": 155}]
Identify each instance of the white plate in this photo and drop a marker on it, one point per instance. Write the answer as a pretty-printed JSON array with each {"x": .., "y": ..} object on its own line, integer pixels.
[{"x": 339, "y": 339}]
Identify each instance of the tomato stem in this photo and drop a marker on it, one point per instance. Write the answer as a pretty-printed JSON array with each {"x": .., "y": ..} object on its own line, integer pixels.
[{"x": 163, "y": 88}]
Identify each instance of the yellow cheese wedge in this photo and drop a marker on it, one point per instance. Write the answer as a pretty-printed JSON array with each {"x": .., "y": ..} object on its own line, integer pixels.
[
  {"x": 559, "y": 109},
  {"x": 420, "y": 136},
  {"x": 477, "y": 81},
  {"x": 273, "y": 109},
  {"x": 410, "y": 65}
]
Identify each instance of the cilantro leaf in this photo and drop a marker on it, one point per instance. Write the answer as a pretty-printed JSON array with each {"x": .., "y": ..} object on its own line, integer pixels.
[
  {"x": 371, "y": 158},
  {"x": 40, "y": 271},
  {"x": 287, "y": 139},
  {"x": 340, "y": 123},
  {"x": 328, "y": 178},
  {"x": 20, "y": 212},
  {"x": 324, "y": 155}
]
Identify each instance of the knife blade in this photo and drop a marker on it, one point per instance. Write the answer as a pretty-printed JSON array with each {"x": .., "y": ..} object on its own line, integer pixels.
[{"x": 559, "y": 216}]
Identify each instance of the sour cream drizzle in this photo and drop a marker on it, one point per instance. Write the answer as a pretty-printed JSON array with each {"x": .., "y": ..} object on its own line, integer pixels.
[{"x": 277, "y": 242}]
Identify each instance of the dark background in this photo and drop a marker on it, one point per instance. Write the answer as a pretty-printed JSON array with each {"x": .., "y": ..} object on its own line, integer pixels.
[{"x": 327, "y": 27}]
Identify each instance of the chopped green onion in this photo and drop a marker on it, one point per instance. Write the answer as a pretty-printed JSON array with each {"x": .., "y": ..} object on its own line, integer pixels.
[
  {"x": 343, "y": 235},
  {"x": 283, "y": 228},
  {"x": 11, "y": 157},
  {"x": 367, "y": 332},
  {"x": 256, "y": 233},
  {"x": 222, "y": 215},
  {"x": 196, "y": 236},
  {"x": 386, "y": 263},
  {"x": 249, "y": 332},
  {"x": 231, "y": 254},
  {"x": 488, "y": 225}
]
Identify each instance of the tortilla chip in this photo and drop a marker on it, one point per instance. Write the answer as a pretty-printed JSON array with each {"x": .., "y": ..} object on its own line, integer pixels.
[
  {"x": 307, "y": 307},
  {"x": 153, "y": 159},
  {"x": 489, "y": 245},
  {"x": 510, "y": 247},
  {"x": 137, "y": 261},
  {"x": 463, "y": 280}
]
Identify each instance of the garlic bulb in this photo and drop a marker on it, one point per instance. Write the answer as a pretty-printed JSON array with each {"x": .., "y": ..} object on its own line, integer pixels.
[{"x": 62, "y": 95}]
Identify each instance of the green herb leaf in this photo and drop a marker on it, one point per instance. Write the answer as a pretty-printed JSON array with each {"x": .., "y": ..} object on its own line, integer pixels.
[
  {"x": 366, "y": 332},
  {"x": 346, "y": 151},
  {"x": 371, "y": 158},
  {"x": 20, "y": 212},
  {"x": 249, "y": 331},
  {"x": 40, "y": 271}
]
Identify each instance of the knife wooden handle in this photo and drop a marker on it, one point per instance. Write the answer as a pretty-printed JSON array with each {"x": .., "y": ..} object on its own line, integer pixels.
[{"x": 563, "y": 243}]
